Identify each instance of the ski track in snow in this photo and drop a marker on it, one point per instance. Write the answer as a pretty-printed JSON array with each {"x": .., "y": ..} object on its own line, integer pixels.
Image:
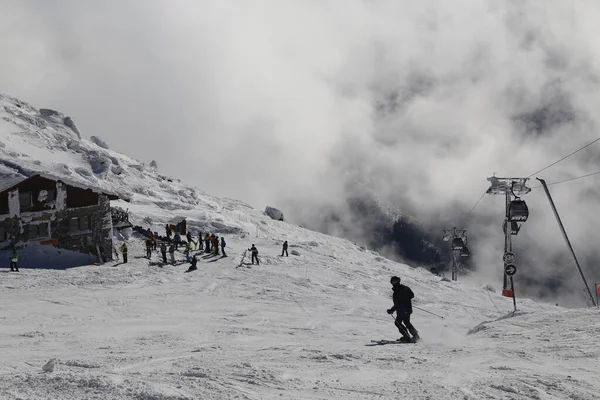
[{"x": 296, "y": 327}]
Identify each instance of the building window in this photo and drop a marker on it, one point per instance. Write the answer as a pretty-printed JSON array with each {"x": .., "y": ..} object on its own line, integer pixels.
[
  {"x": 51, "y": 195},
  {"x": 74, "y": 226},
  {"x": 25, "y": 233},
  {"x": 25, "y": 199},
  {"x": 42, "y": 230},
  {"x": 84, "y": 223},
  {"x": 3, "y": 233},
  {"x": 36, "y": 231},
  {"x": 79, "y": 224}
]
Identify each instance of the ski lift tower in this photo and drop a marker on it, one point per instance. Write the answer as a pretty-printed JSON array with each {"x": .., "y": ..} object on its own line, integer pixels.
[{"x": 516, "y": 212}]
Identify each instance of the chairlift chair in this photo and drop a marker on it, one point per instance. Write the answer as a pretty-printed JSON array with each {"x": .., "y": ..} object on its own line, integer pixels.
[
  {"x": 514, "y": 228},
  {"x": 457, "y": 243},
  {"x": 464, "y": 252},
  {"x": 518, "y": 211}
]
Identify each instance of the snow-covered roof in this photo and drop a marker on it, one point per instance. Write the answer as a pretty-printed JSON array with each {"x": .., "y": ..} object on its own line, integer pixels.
[
  {"x": 122, "y": 224},
  {"x": 78, "y": 184},
  {"x": 9, "y": 182}
]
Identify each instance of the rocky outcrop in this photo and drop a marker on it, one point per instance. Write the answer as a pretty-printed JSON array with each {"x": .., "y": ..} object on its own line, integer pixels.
[
  {"x": 99, "y": 142},
  {"x": 274, "y": 213},
  {"x": 69, "y": 123}
]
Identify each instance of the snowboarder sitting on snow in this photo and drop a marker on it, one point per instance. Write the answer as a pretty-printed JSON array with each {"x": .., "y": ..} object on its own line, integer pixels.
[
  {"x": 284, "y": 249},
  {"x": 254, "y": 252},
  {"x": 14, "y": 258},
  {"x": 403, "y": 306},
  {"x": 193, "y": 266}
]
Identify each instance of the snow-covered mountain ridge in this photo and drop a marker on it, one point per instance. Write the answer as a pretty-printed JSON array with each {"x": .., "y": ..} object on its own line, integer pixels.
[
  {"x": 39, "y": 140},
  {"x": 297, "y": 327}
]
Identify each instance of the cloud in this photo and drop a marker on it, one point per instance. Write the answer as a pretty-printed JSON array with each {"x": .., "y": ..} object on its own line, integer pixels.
[{"x": 291, "y": 103}]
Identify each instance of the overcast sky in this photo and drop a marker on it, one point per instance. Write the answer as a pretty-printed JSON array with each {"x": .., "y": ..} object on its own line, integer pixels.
[{"x": 289, "y": 103}]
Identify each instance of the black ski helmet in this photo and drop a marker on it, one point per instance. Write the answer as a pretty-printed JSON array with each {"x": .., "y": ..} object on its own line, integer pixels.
[{"x": 394, "y": 280}]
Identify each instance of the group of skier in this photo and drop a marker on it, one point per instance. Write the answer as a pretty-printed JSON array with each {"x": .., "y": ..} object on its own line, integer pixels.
[
  {"x": 402, "y": 294},
  {"x": 212, "y": 243}
]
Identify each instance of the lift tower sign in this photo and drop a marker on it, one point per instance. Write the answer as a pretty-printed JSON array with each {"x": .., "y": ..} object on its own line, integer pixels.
[
  {"x": 510, "y": 269},
  {"x": 508, "y": 258}
]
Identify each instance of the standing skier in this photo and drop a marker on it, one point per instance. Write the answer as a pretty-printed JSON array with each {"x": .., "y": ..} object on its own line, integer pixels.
[
  {"x": 216, "y": 245},
  {"x": 284, "y": 249},
  {"x": 172, "y": 253},
  {"x": 207, "y": 244},
  {"x": 124, "y": 251},
  {"x": 188, "y": 236},
  {"x": 187, "y": 253},
  {"x": 200, "y": 241},
  {"x": 149, "y": 248},
  {"x": 163, "y": 251},
  {"x": 254, "y": 252},
  {"x": 223, "y": 244},
  {"x": 403, "y": 306},
  {"x": 14, "y": 258}
]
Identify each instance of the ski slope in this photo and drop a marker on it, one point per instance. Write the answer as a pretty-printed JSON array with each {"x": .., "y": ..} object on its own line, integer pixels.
[{"x": 297, "y": 327}]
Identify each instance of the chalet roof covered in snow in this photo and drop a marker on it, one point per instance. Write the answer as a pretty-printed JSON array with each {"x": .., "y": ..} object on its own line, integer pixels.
[
  {"x": 10, "y": 182},
  {"x": 176, "y": 220}
]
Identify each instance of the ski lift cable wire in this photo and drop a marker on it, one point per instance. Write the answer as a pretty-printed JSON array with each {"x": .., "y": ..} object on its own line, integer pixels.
[
  {"x": 568, "y": 180},
  {"x": 476, "y": 204},
  {"x": 565, "y": 157}
]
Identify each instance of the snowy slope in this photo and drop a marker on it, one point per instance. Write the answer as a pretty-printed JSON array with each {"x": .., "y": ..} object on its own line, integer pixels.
[{"x": 297, "y": 327}]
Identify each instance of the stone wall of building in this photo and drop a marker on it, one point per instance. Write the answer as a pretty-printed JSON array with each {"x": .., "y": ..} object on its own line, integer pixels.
[
  {"x": 91, "y": 232},
  {"x": 85, "y": 241}
]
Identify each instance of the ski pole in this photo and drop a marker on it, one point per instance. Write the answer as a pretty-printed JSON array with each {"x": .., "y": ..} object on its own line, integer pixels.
[{"x": 418, "y": 308}]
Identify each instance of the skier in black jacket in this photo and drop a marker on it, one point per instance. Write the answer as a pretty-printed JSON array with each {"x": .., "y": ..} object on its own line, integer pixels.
[
  {"x": 403, "y": 306},
  {"x": 254, "y": 252}
]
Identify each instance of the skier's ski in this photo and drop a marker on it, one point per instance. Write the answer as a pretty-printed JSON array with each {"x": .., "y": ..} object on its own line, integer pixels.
[
  {"x": 242, "y": 260},
  {"x": 386, "y": 341}
]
